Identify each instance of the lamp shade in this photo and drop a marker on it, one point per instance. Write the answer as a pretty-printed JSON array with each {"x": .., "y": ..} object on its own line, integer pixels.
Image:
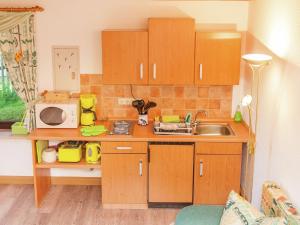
[
  {"x": 246, "y": 101},
  {"x": 257, "y": 59}
]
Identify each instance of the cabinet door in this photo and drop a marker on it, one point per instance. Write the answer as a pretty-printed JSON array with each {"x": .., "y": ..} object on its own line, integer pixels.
[
  {"x": 171, "y": 173},
  {"x": 214, "y": 177},
  {"x": 171, "y": 51},
  {"x": 124, "y": 178},
  {"x": 217, "y": 58},
  {"x": 125, "y": 57}
]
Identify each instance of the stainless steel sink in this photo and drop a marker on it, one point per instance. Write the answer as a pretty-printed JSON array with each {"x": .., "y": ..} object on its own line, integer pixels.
[
  {"x": 213, "y": 129},
  {"x": 200, "y": 129}
]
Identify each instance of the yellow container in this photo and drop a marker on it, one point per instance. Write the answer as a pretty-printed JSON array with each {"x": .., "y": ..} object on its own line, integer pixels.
[
  {"x": 69, "y": 153},
  {"x": 88, "y": 101},
  {"x": 92, "y": 153}
]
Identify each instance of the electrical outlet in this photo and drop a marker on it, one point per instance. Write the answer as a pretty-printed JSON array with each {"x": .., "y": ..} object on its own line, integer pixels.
[{"x": 125, "y": 101}]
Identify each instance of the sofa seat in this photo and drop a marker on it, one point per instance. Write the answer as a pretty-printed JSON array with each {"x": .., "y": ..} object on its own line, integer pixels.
[{"x": 199, "y": 215}]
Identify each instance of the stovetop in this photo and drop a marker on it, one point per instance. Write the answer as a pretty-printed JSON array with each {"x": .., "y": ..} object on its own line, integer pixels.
[{"x": 121, "y": 127}]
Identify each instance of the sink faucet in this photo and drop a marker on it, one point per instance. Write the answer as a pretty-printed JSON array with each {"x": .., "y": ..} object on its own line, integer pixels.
[{"x": 199, "y": 113}]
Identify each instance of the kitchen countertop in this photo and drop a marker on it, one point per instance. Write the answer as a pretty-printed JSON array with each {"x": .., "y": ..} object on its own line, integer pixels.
[{"x": 141, "y": 133}]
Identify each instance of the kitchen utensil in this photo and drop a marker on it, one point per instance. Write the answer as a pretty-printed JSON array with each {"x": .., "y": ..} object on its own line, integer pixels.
[
  {"x": 40, "y": 146},
  {"x": 88, "y": 109},
  {"x": 121, "y": 127},
  {"x": 141, "y": 104},
  {"x": 138, "y": 104},
  {"x": 135, "y": 104},
  {"x": 92, "y": 154},
  {"x": 49, "y": 155},
  {"x": 88, "y": 101},
  {"x": 87, "y": 118},
  {"x": 148, "y": 106},
  {"x": 70, "y": 151}
]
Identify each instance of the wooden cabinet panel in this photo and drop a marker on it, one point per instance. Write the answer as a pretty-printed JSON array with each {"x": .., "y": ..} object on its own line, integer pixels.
[
  {"x": 217, "y": 58},
  {"x": 124, "y": 147},
  {"x": 171, "y": 51},
  {"x": 214, "y": 177},
  {"x": 124, "y": 178},
  {"x": 125, "y": 57},
  {"x": 171, "y": 173},
  {"x": 214, "y": 148}
]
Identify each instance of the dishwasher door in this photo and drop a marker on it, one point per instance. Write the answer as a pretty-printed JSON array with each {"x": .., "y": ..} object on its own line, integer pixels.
[{"x": 171, "y": 172}]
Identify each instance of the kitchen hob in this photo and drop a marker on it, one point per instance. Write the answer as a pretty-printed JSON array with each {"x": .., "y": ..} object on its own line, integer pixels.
[{"x": 121, "y": 127}]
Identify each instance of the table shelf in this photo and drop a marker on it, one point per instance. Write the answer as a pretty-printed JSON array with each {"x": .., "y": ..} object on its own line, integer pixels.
[{"x": 70, "y": 165}]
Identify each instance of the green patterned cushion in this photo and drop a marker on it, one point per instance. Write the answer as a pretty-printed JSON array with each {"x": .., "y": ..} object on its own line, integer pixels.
[
  {"x": 199, "y": 215},
  {"x": 271, "y": 221},
  {"x": 238, "y": 211},
  {"x": 276, "y": 203}
]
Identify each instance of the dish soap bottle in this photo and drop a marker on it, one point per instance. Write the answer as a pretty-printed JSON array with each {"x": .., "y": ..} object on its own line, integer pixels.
[{"x": 238, "y": 115}]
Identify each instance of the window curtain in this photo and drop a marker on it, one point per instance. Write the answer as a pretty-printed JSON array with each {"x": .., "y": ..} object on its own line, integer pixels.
[{"x": 17, "y": 47}]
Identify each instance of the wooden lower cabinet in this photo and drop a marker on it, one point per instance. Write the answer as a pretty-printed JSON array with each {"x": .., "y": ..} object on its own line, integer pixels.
[
  {"x": 124, "y": 180},
  {"x": 215, "y": 175},
  {"x": 171, "y": 173}
]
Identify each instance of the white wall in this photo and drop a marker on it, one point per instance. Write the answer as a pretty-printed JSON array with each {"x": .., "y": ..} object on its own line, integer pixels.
[
  {"x": 79, "y": 22},
  {"x": 276, "y": 24}
]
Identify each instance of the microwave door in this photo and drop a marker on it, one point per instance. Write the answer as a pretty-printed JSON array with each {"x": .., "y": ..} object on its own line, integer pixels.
[{"x": 53, "y": 116}]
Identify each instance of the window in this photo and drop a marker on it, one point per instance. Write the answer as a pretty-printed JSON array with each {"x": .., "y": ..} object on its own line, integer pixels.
[{"x": 11, "y": 106}]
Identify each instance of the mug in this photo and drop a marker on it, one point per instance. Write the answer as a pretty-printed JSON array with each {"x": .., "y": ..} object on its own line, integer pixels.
[
  {"x": 92, "y": 152},
  {"x": 49, "y": 155}
]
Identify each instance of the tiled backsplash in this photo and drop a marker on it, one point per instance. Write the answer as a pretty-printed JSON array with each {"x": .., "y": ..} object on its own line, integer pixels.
[{"x": 170, "y": 99}]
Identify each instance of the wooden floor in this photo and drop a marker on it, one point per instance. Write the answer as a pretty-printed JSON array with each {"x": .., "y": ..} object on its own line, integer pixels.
[{"x": 76, "y": 205}]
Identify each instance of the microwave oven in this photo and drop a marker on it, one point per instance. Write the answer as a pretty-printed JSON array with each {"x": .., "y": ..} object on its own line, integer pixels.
[{"x": 58, "y": 114}]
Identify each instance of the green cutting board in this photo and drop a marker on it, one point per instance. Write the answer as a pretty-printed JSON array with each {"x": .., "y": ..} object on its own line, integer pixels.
[{"x": 40, "y": 146}]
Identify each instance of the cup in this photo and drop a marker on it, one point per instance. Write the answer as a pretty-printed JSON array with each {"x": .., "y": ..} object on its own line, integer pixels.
[{"x": 143, "y": 120}]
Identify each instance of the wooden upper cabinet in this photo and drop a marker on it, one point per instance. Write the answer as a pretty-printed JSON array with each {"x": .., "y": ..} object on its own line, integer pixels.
[
  {"x": 125, "y": 57},
  {"x": 217, "y": 58},
  {"x": 171, "y": 51}
]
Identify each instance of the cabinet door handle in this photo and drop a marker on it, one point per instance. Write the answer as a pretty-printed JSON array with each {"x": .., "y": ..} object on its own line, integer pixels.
[
  {"x": 123, "y": 148},
  {"x": 141, "y": 168},
  {"x": 201, "y": 168},
  {"x": 141, "y": 71},
  {"x": 154, "y": 71},
  {"x": 200, "y": 72}
]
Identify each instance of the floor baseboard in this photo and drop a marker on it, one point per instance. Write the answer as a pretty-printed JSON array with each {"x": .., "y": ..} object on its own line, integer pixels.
[
  {"x": 54, "y": 180},
  {"x": 16, "y": 179}
]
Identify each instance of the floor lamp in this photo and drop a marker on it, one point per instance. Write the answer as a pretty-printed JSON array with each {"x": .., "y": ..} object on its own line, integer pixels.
[{"x": 256, "y": 62}]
